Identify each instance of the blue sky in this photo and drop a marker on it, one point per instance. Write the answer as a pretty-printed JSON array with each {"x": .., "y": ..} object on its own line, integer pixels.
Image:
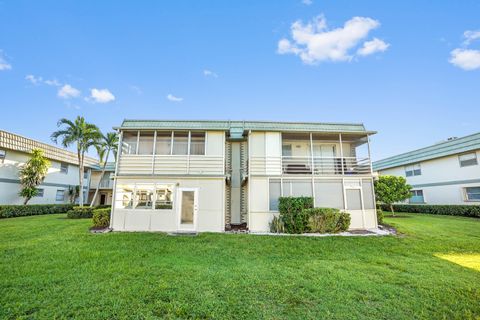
[{"x": 407, "y": 69}]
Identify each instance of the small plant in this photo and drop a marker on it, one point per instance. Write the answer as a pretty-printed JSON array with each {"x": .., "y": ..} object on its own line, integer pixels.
[
  {"x": 327, "y": 220},
  {"x": 101, "y": 218},
  {"x": 380, "y": 216},
  {"x": 80, "y": 213},
  {"x": 392, "y": 189},
  {"x": 32, "y": 174},
  {"x": 276, "y": 225},
  {"x": 292, "y": 214}
]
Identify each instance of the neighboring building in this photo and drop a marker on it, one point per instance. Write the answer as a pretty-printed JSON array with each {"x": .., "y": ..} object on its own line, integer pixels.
[
  {"x": 444, "y": 173},
  {"x": 217, "y": 175},
  {"x": 63, "y": 173},
  {"x": 105, "y": 191}
]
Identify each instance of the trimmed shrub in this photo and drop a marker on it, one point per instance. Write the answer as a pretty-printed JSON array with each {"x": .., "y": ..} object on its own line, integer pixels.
[
  {"x": 11, "y": 211},
  {"x": 292, "y": 213},
  {"x": 327, "y": 220},
  {"x": 276, "y": 225},
  {"x": 450, "y": 210},
  {"x": 101, "y": 218},
  {"x": 80, "y": 213}
]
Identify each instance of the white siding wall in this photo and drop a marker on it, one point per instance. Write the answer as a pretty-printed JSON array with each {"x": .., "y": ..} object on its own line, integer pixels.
[
  {"x": 211, "y": 207},
  {"x": 448, "y": 177},
  {"x": 9, "y": 170}
]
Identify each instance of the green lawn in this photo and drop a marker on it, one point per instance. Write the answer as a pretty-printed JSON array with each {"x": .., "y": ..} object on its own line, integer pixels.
[{"x": 51, "y": 267}]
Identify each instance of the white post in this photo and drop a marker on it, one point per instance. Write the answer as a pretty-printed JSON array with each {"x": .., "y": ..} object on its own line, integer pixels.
[
  {"x": 119, "y": 151},
  {"x": 138, "y": 141},
  {"x": 369, "y": 155},
  {"x": 341, "y": 153},
  {"x": 153, "y": 151},
  {"x": 189, "y": 140},
  {"x": 311, "y": 154}
]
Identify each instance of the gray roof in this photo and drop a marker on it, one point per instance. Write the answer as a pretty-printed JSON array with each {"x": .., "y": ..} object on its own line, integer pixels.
[
  {"x": 244, "y": 125},
  {"x": 99, "y": 166},
  {"x": 439, "y": 150}
]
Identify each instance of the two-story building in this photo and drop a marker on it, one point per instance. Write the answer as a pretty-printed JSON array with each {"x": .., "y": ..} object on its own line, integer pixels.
[
  {"x": 62, "y": 176},
  {"x": 218, "y": 175},
  {"x": 444, "y": 173}
]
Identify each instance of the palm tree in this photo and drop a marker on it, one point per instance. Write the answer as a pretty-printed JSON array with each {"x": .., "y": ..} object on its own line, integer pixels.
[
  {"x": 108, "y": 143},
  {"x": 81, "y": 133}
]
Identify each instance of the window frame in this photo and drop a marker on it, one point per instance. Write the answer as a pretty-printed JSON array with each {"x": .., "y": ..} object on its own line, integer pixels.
[
  {"x": 416, "y": 170},
  {"x": 63, "y": 195},
  {"x": 154, "y": 196},
  {"x": 467, "y": 165},
  {"x": 415, "y": 194},
  {"x": 465, "y": 192},
  {"x": 62, "y": 165},
  {"x": 40, "y": 193}
]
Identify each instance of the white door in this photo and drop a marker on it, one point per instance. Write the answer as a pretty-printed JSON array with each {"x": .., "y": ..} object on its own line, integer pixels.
[
  {"x": 324, "y": 158},
  {"x": 187, "y": 209}
]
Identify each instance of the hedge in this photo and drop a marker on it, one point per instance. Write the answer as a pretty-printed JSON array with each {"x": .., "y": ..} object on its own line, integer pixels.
[
  {"x": 450, "y": 210},
  {"x": 101, "y": 218},
  {"x": 80, "y": 212},
  {"x": 292, "y": 214},
  {"x": 11, "y": 211},
  {"x": 327, "y": 220}
]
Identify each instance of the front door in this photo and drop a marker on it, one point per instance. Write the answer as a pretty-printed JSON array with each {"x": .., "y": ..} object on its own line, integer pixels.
[
  {"x": 102, "y": 199},
  {"x": 187, "y": 208}
]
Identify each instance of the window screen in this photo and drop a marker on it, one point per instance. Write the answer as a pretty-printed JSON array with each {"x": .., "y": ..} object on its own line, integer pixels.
[
  {"x": 129, "y": 142},
  {"x": 469, "y": 159},
  {"x": 197, "y": 143},
  {"x": 145, "y": 143},
  {"x": 164, "y": 143},
  {"x": 473, "y": 193},
  {"x": 274, "y": 194},
  {"x": 180, "y": 143},
  {"x": 354, "y": 201},
  {"x": 329, "y": 194}
]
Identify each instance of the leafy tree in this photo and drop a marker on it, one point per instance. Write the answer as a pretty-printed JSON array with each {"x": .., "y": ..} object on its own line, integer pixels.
[
  {"x": 108, "y": 144},
  {"x": 84, "y": 135},
  {"x": 391, "y": 189},
  {"x": 32, "y": 174}
]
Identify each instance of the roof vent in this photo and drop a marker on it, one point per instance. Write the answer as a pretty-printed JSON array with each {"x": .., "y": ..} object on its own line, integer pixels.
[{"x": 452, "y": 138}]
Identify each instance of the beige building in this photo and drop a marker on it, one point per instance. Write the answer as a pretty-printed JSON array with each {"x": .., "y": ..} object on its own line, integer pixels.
[
  {"x": 219, "y": 175},
  {"x": 62, "y": 175}
]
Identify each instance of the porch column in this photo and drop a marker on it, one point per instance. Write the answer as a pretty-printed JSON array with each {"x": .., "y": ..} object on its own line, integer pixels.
[
  {"x": 341, "y": 153},
  {"x": 153, "y": 151},
  {"x": 114, "y": 193},
  {"x": 369, "y": 154}
]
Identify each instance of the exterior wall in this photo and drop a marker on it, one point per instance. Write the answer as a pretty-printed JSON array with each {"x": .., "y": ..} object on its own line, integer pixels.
[
  {"x": 55, "y": 180},
  {"x": 260, "y": 214},
  {"x": 211, "y": 206},
  {"x": 442, "y": 180}
]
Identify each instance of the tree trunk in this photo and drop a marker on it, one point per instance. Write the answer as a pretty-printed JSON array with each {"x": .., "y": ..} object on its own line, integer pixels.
[
  {"x": 26, "y": 201},
  {"x": 391, "y": 209},
  {"x": 99, "y": 181},
  {"x": 80, "y": 178}
]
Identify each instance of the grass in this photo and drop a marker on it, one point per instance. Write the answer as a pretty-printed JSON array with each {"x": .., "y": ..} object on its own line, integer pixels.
[{"x": 52, "y": 267}]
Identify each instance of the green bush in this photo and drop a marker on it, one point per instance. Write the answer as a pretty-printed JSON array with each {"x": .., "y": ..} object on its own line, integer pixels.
[
  {"x": 276, "y": 225},
  {"x": 11, "y": 211},
  {"x": 292, "y": 214},
  {"x": 101, "y": 218},
  {"x": 80, "y": 213},
  {"x": 450, "y": 210},
  {"x": 380, "y": 216},
  {"x": 327, "y": 220}
]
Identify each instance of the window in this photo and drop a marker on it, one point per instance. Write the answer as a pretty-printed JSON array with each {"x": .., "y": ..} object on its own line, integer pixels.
[
  {"x": 64, "y": 167},
  {"x": 129, "y": 142},
  {"x": 329, "y": 193},
  {"x": 413, "y": 170},
  {"x": 417, "y": 196},
  {"x": 124, "y": 197},
  {"x": 3, "y": 154},
  {"x": 164, "y": 143},
  {"x": 472, "y": 193},
  {"x": 60, "y": 196},
  {"x": 197, "y": 143},
  {"x": 287, "y": 150},
  {"x": 40, "y": 193},
  {"x": 297, "y": 188},
  {"x": 354, "y": 199},
  {"x": 468, "y": 159},
  {"x": 85, "y": 174},
  {"x": 274, "y": 194},
  {"x": 143, "y": 197},
  {"x": 180, "y": 143},
  {"x": 163, "y": 197},
  {"x": 145, "y": 143}
]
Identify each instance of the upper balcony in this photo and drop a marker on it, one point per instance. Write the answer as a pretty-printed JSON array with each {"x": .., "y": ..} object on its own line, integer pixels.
[
  {"x": 318, "y": 154},
  {"x": 171, "y": 153}
]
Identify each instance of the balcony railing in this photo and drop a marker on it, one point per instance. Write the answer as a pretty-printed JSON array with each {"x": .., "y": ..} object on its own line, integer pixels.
[
  {"x": 106, "y": 184},
  {"x": 296, "y": 165}
]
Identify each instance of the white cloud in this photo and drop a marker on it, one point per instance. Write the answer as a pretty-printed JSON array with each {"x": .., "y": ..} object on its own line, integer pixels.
[
  {"x": 314, "y": 42},
  {"x": 467, "y": 59},
  {"x": 171, "y": 97},
  {"x": 373, "y": 46},
  {"x": 470, "y": 36},
  {"x": 67, "y": 92},
  {"x": 53, "y": 82},
  {"x": 136, "y": 89},
  {"x": 209, "y": 73},
  {"x": 101, "y": 96},
  {"x": 34, "y": 80},
  {"x": 4, "y": 65},
  {"x": 307, "y": 2}
]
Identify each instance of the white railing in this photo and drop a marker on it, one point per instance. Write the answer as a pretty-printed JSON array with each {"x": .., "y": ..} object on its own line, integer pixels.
[
  {"x": 106, "y": 184},
  {"x": 310, "y": 166},
  {"x": 170, "y": 164}
]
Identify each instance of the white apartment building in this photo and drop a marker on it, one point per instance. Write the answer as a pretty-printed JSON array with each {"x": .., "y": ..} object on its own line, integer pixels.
[
  {"x": 217, "y": 175},
  {"x": 444, "y": 173},
  {"x": 62, "y": 175}
]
